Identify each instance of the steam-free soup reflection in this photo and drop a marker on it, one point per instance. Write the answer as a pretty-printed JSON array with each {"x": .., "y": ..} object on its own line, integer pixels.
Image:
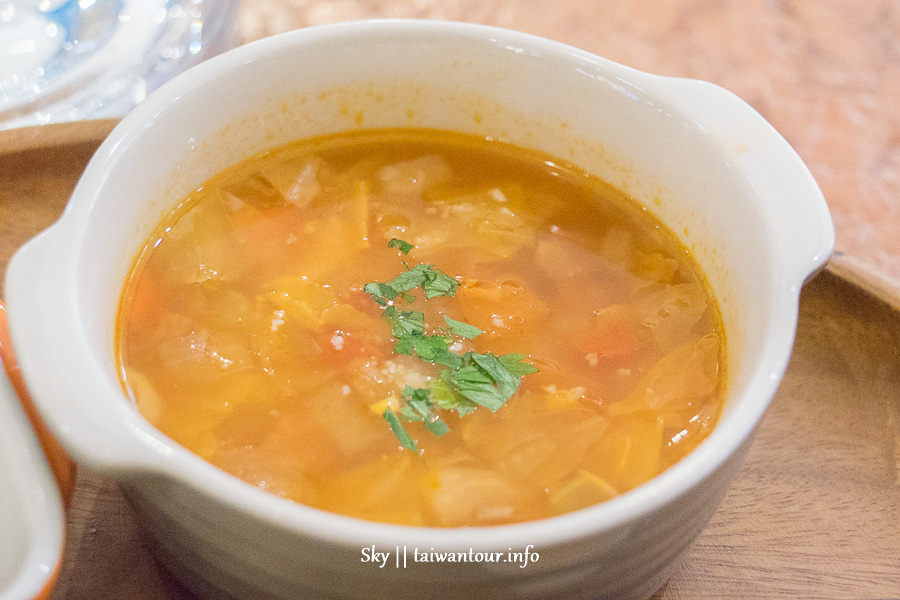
[{"x": 422, "y": 328}]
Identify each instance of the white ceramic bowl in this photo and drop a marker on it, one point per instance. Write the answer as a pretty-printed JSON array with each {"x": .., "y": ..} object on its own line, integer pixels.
[
  {"x": 31, "y": 519},
  {"x": 693, "y": 153},
  {"x": 31, "y": 507}
]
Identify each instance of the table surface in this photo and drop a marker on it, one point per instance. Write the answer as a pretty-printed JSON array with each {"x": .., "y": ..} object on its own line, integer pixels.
[{"x": 825, "y": 73}]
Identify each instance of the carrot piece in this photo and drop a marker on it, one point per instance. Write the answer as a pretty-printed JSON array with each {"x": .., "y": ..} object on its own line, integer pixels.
[{"x": 616, "y": 337}]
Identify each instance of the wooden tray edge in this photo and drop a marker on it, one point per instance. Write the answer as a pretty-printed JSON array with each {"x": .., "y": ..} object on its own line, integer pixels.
[
  {"x": 42, "y": 137},
  {"x": 852, "y": 271}
]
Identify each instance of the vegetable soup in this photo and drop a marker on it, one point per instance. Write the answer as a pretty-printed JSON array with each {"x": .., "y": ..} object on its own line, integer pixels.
[{"x": 422, "y": 327}]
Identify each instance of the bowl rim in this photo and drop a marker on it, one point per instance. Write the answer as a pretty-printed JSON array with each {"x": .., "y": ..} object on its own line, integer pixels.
[{"x": 727, "y": 437}]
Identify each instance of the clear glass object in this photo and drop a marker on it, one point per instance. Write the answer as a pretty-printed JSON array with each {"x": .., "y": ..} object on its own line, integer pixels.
[{"x": 66, "y": 60}]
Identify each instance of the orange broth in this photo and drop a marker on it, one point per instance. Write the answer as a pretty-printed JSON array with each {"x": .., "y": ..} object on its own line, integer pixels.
[{"x": 246, "y": 336}]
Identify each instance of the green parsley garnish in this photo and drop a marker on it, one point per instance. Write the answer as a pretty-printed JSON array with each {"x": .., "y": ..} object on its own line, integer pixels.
[
  {"x": 433, "y": 281},
  {"x": 402, "y": 246},
  {"x": 438, "y": 283},
  {"x": 410, "y": 279},
  {"x": 484, "y": 380},
  {"x": 514, "y": 364},
  {"x": 419, "y": 407},
  {"x": 405, "y": 322},
  {"x": 470, "y": 332},
  {"x": 381, "y": 293},
  {"x": 467, "y": 381},
  {"x": 397, "y": 427}
]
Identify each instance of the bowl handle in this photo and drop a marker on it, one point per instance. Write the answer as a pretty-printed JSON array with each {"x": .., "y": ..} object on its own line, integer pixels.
[
  {"x": 111, "y": 439},
  {"x": 63, "y": 467},
  {"x": 796, "y": 210}
]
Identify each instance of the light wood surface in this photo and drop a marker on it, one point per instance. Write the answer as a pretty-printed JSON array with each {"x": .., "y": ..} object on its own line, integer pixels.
[{"x": 814, "y": 512}]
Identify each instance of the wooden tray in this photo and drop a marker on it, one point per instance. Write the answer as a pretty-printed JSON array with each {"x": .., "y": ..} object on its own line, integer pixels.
[{"x": 814, "y": 513}]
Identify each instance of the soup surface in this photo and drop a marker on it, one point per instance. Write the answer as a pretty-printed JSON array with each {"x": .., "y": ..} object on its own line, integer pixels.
[{"x": 423, "y": 328}]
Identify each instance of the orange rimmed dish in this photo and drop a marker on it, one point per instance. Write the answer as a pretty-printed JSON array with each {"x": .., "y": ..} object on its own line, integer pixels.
[{"x": 38, "y": 479}]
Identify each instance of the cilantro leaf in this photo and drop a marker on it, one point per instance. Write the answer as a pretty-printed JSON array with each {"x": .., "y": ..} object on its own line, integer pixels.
[
  {"x": 397, "y": 427},
  {"x": 404, "y": 247},
  {"x": 405, "y": 345},
  {"x": 470, "y": 332},
  {"x": 405, "y": 322},
  {"x": 419, "y": 400},
  {"x": 419, "y": 408},
  {"x": 467, "y": 381},
  {"x": 514, "y": 364},
  {"x": 507, "y": 384},
  {"x": 480, "y": 393},
  {"x": 411, "y": 279},
  {"x": 486, "y": 380},
  {"x": 409, "y": 414},
  {"x": 437, "y": 427},
  {"x": 472, "y": 383},
  {"x": 430, "y": 346},
  {"x": 438, "y": 283},
  {"x": 441, "y": 392},
  {"x": 447, "y": 358},
  {"x": 434, "y": 281},
  {"x": 443, "y": 396},
  {"x": 381, "y": 293}
]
